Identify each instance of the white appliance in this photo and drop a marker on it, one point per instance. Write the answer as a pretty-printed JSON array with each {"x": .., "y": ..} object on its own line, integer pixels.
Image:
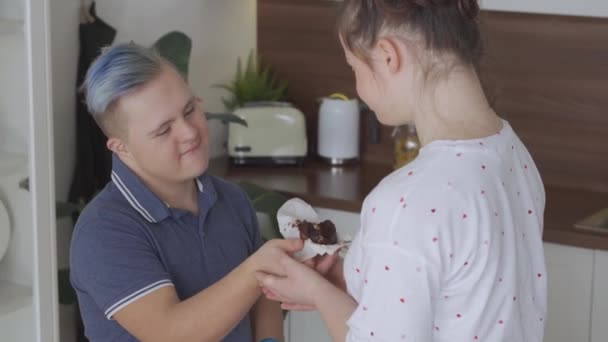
[
  {"x": 275, "y": 134},
  {"x": 338, "y": 135}
]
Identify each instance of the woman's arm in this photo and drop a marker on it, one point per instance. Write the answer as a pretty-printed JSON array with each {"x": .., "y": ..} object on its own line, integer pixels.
[{"x": 335, "y": 307}]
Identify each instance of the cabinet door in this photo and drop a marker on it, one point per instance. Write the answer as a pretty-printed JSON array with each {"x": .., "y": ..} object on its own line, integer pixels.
[
  {"x": 306, "y": 327},
  {"x": 599, "y": 328},
  {"x": 570, "y": 272}
]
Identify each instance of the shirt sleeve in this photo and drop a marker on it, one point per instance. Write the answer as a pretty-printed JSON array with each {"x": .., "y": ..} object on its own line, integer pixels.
[
  {"x": 256, "y": 234},
  {"x": 114, "y": 262},
  {"x": 396, "y": 297}
]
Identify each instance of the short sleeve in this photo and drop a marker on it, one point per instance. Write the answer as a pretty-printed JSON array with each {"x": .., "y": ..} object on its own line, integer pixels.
[
  {"x": 115, "y": 263},
  {"x": 254, "y": 226},
  {"x": 396, "y": 297}
]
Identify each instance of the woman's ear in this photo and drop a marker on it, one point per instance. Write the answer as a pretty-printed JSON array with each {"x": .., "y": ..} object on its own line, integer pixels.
[{"x": 389, "y": 54}]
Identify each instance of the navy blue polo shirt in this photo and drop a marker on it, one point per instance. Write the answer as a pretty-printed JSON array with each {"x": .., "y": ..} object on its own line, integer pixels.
[{"x": 128, "y": 243}]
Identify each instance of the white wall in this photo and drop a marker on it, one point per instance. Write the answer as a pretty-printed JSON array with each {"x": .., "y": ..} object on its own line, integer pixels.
[
  {"x": 220, "y": 31},
  {"x": 13, "y": 88},
  {"x": 593, "y": 8},
  {"x": 12, "y": 8}
]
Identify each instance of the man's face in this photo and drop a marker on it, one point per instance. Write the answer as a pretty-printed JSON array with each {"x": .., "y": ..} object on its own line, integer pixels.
[{"x": 166, "y": 131}]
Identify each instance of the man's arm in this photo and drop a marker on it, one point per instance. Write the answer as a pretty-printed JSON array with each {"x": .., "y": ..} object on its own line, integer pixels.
[
  {"x": 209, "y": 315},
  {"x": 267, "y": 320}
]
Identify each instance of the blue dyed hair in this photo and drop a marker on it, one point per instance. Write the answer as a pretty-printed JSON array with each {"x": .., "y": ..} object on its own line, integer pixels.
[{"x": 118, "y": 71}]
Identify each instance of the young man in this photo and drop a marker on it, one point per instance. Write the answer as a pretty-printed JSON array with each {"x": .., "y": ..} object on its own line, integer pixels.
[{"x": 166, "y": 252}]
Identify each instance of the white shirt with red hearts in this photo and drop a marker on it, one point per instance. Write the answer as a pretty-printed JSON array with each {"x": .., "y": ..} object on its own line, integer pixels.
[{"x": 450, "y": 247}]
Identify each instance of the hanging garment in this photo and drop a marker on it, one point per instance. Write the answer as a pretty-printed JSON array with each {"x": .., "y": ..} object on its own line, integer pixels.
[{"x": 93, "y": 159}]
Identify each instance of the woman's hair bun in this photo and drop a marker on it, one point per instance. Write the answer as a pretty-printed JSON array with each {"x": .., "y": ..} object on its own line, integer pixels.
[{"x": 469, "y": 9}]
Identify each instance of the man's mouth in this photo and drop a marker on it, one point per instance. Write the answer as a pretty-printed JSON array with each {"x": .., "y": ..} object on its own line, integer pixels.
[{"x": 192, "y": 148}]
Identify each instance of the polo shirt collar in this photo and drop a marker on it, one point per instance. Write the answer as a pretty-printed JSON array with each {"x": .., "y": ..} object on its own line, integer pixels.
[{"x": 141, "y": 198}]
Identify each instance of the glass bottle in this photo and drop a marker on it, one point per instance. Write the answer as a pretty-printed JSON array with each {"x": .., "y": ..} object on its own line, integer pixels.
[{"x": 406, "y": 144}]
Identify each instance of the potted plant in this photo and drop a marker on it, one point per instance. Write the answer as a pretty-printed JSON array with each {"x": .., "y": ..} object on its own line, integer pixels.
[{"x": 254, "y": 83}]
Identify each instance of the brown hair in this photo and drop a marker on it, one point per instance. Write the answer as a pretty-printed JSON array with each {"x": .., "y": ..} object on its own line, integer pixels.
[{"x": 445, "y": 26}]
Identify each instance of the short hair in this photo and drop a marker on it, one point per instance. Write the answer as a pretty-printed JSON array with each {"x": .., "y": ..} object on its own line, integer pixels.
[{"x": 118, "y": 71}]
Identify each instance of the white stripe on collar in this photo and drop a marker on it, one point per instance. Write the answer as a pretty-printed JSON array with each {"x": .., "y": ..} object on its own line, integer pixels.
[
  {"x": 199, "y": 185},
  {"x": 130, "y": 198}
]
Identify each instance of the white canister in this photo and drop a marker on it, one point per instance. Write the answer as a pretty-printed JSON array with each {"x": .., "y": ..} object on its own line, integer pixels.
[{"x": 338, "y": 135}]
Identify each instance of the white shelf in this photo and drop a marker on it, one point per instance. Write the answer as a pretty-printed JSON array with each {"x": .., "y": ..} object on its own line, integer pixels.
[
  {"x": 10, "y": 26},
  {"x": 12, "y": 163},
  {"x": 13, "y": 298}
]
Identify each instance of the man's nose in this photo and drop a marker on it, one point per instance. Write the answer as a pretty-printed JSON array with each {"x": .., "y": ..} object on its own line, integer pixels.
[{"x": 187, "y": 130}]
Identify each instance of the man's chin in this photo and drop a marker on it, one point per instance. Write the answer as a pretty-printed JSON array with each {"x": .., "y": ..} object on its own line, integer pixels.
[{"x": 195, "y": 168}]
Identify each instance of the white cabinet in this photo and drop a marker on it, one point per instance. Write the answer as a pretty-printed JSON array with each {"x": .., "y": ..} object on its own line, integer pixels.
[
  {"x": 599, "y": 326},
  {"x": 308, "y": 326},
  {"x": 570, "y": 272},
  {"x": 28, "y": 290}
]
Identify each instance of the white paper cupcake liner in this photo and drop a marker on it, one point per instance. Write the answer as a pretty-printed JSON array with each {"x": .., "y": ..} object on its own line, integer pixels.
[{"x": 296, "y": 209}]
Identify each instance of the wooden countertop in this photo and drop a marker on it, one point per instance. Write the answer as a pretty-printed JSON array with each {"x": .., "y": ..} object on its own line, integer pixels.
[{"x": 344, "y": 188}]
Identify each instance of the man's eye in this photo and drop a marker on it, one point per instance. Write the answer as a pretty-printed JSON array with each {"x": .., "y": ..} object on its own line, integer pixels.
[
  {"x": 163, "y": 132},
  {"x": 190, "y": 111}
]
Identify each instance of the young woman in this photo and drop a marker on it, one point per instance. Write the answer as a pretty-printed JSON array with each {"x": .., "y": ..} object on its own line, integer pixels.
[{"x": 450, "y": 245}]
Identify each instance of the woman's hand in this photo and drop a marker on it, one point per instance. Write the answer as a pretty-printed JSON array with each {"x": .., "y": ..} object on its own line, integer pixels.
[{"x": 297, "y": 287}]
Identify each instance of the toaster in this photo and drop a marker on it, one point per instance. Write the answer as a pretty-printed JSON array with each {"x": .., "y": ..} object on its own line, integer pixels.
[{"x": 275, "y": 134}]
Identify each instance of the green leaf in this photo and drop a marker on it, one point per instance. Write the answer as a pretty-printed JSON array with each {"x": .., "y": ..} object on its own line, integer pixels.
[
  {"x": 252, "y": 83},
  {"x": 226, "y": 117},
  {"x": 268, "y": 202},
  {"x": 67, "y": 295},
  {"x": 175, "y": 47}
]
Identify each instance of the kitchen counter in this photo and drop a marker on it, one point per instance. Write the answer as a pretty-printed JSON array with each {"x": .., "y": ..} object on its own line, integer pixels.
[{"x": 344, "y": 188}]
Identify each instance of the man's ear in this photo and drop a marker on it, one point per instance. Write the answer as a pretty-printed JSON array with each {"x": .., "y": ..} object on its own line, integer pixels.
[
  {"x": 118, "y": 146},
  {"x": 390, "y": 55}
]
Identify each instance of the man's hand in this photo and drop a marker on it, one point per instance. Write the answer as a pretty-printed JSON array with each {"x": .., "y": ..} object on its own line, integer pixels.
[{"x": 268, "y": 258}]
